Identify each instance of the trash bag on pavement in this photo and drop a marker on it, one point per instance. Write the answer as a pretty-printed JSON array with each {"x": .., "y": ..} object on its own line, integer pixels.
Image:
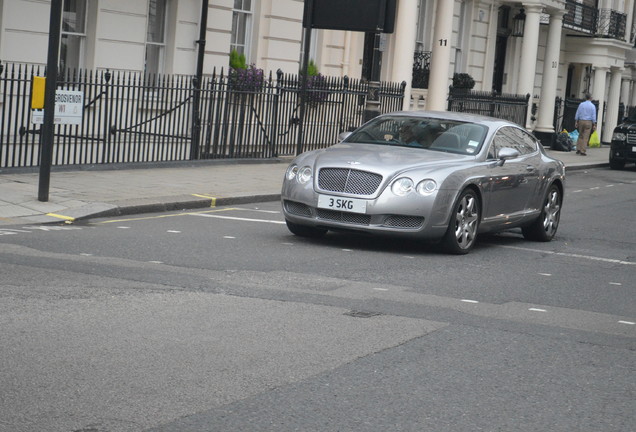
[
  {"x": 562, "y": 142},
  {"x": 574, "y": 135}
]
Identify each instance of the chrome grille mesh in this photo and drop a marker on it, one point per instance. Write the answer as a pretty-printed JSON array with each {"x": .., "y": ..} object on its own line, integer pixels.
[
  {"x": 349, "y": 181},
  {"x": 344, "y": 217},
  {"x": 397, "y": 221},
  {"x": 631, "y": 138},
  {"x": 297, "y": 208}
]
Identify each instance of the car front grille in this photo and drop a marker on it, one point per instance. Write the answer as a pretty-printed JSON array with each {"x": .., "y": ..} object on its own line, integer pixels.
[
  {"x": 349, "y": 181},
  {"x": 297, "y": 208},
  {"x": 631, "y": 138},
  {"x": 397, "y": 221},
  {"x": 344, "y": 217}
]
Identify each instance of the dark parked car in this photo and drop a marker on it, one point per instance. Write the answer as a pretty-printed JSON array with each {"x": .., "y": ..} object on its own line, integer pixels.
[
  {"x": 623, "y": 148},
  {"x": 427, "y": 175}
]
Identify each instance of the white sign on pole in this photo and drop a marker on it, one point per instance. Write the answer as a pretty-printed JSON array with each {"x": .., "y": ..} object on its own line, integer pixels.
[{"x": 69, "y": 108}]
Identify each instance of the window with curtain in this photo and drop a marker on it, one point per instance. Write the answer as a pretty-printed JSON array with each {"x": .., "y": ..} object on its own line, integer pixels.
[
  {"x": 241, "y": 26},
  {"x": 73, "y": 34},
  {"x": 155, "y": 36}
]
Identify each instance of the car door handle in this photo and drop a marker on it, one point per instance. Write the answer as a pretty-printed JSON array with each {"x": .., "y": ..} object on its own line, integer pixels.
[{"x": 529, "y": 168}]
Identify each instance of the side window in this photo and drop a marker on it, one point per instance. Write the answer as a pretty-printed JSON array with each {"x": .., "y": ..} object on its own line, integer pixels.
[
  {"x": 513, "y": 138},
  {"x": 522, "y": 141},
  {"x": 501, "y": 139}
]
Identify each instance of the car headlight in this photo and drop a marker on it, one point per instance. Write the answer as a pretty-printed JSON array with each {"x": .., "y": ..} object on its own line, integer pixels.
[
  {"x": 304, "y": 175},
  {"x": 402, "y": 186},
  {"x": 292, "y": 171},
  {"x": 619, "y": 136},
  {"x": 426, "y": 187}
]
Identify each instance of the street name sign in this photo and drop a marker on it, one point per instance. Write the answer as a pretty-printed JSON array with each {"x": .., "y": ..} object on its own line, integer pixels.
[{"x": 69, "y": 108}]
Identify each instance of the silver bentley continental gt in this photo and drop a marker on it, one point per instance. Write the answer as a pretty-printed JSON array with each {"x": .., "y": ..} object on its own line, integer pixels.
[{"x": 436, "y": 176}]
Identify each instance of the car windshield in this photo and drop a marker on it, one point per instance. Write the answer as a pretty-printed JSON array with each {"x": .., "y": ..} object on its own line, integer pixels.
[{"x": 420, "y": 132}]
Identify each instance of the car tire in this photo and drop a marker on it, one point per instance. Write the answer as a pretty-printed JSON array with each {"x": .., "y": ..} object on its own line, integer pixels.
[
  {"x": 305, "y": 231},
  {"x": 544, "y": 228},
  {"x": 462, "y": 229},
  {"x": 615, "y": 164}
]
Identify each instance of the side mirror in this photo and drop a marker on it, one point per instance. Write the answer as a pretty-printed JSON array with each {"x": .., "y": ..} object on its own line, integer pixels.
[
  {"x": 507, "y": 153},
  {"x": 344, "y": 135}
]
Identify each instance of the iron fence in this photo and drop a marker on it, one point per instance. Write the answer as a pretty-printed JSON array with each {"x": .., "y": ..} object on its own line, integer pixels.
[
  {"x": 132, "y": 117},
  {"x": 509, "y": 107},
  {"x": 421, "y": 69}
]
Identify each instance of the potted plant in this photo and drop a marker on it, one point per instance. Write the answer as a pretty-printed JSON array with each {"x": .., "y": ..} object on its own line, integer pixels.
[
  {"x": 463, "y": 81},
  {"x": 316, "y": 85},
  {"x": 243, "y": 77}
]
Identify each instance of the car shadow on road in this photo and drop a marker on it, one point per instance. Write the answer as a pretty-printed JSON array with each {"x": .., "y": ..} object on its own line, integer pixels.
[{"x": 381, "y": 243}]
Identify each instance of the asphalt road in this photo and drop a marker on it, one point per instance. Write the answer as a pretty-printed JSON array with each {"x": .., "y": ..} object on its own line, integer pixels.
[{"x": 221, "y": 320}]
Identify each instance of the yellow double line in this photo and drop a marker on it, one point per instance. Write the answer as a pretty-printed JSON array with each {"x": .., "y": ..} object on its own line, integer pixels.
[
  {"x": 59, "y": 216},
  {"x": 72, "y": 219},
  {"x": 212, "y": 199}
]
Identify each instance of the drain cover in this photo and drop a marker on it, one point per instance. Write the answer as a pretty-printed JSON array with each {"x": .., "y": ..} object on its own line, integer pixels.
[{"x": 361, "y": 314}]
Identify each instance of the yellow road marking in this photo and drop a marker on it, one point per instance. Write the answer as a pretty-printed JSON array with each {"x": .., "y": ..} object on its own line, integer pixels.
[
  {"x": 211, "y": 198},
  {"x": 167, "y": 216},
  {"x": 68, "y": 218}
]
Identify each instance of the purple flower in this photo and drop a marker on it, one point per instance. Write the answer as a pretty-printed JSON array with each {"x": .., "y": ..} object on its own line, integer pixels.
[{"x": 249, "y": 79}]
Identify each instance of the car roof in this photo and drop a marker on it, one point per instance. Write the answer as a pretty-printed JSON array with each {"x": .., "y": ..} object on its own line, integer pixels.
[{"x": 456, "y": 116}]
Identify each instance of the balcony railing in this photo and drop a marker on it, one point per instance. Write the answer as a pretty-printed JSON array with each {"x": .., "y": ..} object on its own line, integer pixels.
[
  {"x": 611, "y": 24},
  {"x": 580, "y": 17},
  {"x": 604, "y": 23}
]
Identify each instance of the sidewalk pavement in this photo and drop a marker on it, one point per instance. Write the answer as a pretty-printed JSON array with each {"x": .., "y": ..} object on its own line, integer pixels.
[{"x": 89, "y": 192}]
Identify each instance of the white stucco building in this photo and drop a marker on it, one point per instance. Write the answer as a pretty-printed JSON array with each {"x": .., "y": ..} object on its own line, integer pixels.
[{"x": 563, "y": 48}]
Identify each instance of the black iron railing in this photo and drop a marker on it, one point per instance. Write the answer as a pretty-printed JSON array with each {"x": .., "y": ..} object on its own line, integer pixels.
[
  {"x": 580, "y": 17},
  {"x": 131, "y": 117},
  {"x": 588, "y": 19},
  {"x": 503, "y": 106},
  {"x": 611, "y": 24},
  {"x": 421, "y": 69}
]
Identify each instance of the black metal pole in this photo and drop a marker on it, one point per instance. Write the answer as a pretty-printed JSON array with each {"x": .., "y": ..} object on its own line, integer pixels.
[
  {"x": 196, "y": 82},
  {"x": 309, "y": 17},
  {"x": 48, "y": 126}
]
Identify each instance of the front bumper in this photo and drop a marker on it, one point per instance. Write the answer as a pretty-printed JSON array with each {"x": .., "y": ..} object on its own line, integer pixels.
[
  {"x": 623, "y": 151},
  {"x": 412, "y": 216}
]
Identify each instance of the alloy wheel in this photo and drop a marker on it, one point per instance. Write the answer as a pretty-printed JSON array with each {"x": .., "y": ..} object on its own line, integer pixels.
[
  {"x": 551, "y": 212},
  {"x": 466, "y": 221}
]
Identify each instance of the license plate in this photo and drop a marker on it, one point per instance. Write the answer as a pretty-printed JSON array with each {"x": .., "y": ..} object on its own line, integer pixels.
[{"x": 342, "y": 204}]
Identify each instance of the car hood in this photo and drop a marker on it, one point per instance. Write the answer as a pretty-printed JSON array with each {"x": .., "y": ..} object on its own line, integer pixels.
[
  {"x": 385, "y": 159},
  {"x": 627, "y": 127}
]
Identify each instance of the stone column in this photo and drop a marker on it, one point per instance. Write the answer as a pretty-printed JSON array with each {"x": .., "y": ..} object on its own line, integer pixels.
[
  {"x": 598, "y": 93},
  {"x": 404, "y": 46},
  {"x": 611, "y": 118},
  {"x": 346, "y": 54},
  {"x": 625, "y": 88},
  {"x": 545, "y": 121},
  {"x": 629, "y": 10},
  {"x": 441, "y": 56},
  {"x": 529, "y": 48}
]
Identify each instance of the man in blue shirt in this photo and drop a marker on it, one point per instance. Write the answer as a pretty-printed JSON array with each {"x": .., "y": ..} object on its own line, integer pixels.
[{"x": 585, "y": 122}]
